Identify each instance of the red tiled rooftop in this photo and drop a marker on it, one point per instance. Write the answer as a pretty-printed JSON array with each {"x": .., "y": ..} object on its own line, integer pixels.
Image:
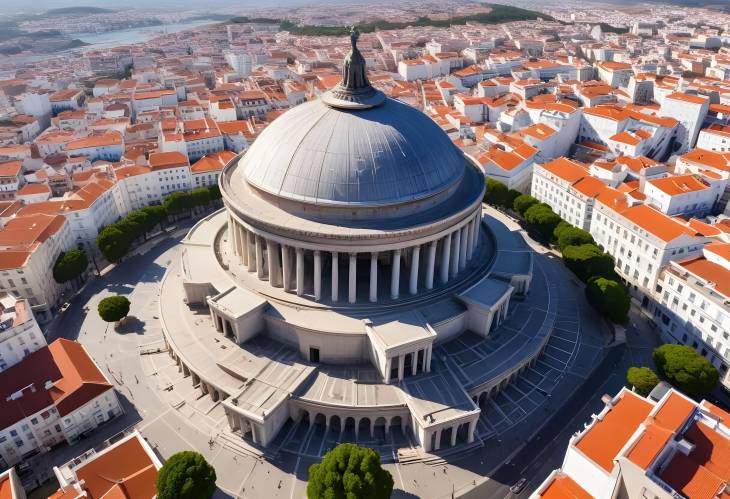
[{"x": 564, "y": 487}]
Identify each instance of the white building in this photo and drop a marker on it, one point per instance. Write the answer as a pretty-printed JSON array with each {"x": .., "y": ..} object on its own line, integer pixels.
[
  {"x": 19, "y": 332},
  {"x": 662, "y": 447},
  {"x": 685, "y": 194},
  {"x": 641, "y": 239},
  {"x": 29, "y": 247},
  {"x": 690, "y": 305},
  {"x": 108, "y": 146},
  {"x": 566, "y": 186},
  {"x": 690, "y": 111},
  {"x": 715, "y": 137},
  {"x": 55, "y": 394},
  {"x": 206, "y": 170}
]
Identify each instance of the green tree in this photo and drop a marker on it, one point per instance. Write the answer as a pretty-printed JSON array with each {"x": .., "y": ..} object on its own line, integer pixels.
[
  {"x": 509, "y": 200},
  {"x": 156, "y": 214},
  {"x": 113, "y": 243},
  {"x": 70, "y": 265},
  {"x": 215, "y": 192},
  {"x": 587, "y": 260},
  {"x": 523, "y": 202},
  {"x": 643, "y": 379},
  {"x": 543, "y": 219},
  {"x": 496, "y": 193},
  {"x": 563, "y": 225},
  {"x": 201, "y": 197},
  {"x": 136, "y": 224},
  {"x": 686, "y": 369},
  {"x": 113, "y": 308},
  {"x": 186, "y": 475},
  {"x": 349, "y": 472},
  {"x": 609, "y": 297},
  {"x": 177, "y": 202},
  {"x": 572, "y": 236}
]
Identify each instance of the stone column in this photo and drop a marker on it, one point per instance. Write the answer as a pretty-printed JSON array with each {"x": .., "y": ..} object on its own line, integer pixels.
[
  {"x": 335, "y": 278},
  {"x": 455, "y": 253},
  {"x": 395, "y": 275},
  {"x": 272, "y": 250},
  {"x": 352, "y": 282},
  {"x": 425, "y": 359},
  {"x": 374, "y": 277},
  {"x": 317, "y": 275},
  {"x": 472, "y": 429},
  {"x": 462, "y": 253},
  {"x": 401, "y": 366},
  {"x": 286, "y": 267},
  {"x": 243, "y": 237},
  {"x": 300, "y": 271},
  {"x": 259, "y": 258},
  {"x": 414, "y": 363},
  {"x": 251, "y": 251},
  {"x": 415, "y": 256},
  {"x": 470, "y": 240},
  {"x": 438, "y": 440},
  {"x": 428, "y": 365},
  {"x": 388, "y": 367},
  {"x": 430, "y": 264},
  {"x": 454, "y": 431},
  {"x": 477, "y": 227},
  {"x": 445, "y": 259}
]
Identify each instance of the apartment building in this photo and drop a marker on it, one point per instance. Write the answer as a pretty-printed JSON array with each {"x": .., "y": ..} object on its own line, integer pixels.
[
  {"x": 19, "y": 332},
  {"x": 691, "y": 305},
  {"x": 29, "y": 247},
  {"x": 566, "y": 186},
  {"x": 664, "y": 446},
  {"x": 56, "y": 394},
  {"x": 641, "y": 239}
]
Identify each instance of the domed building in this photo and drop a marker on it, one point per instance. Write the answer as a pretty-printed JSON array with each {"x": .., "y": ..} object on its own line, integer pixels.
[{"x": 351, "y": 243}]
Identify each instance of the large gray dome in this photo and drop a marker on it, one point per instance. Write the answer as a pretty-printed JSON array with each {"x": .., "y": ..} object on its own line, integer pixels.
[{"x": 316, "y": 153}]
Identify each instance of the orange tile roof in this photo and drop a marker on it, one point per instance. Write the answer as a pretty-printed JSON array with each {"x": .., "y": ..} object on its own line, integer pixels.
[
  {"x": 6, "y": 489},
  {"x": 11, "y": 168},
  {"x": 564, "y": 487},
  {"x": 212, "y": 162},
  {"x": 124, "y": 471},
  {"x": 710, "y": 272},
  {"x": 679, "y": 184},
  {"x": 717, "y": 160},
  {"x": 566, "y": 169},
  {"x": 589, "y": 186},
  {"x": 689, "y": 98},
  {"x": 107, "y": 139},
  {"x": 33, "y": 189},
  {"x": 626, "y": 138},
  {"x": 163, "y": 160},
  {"x": 706, "y": 470},
  {"x": 603, "y": 441},
  {"x": 674, "y": 411},
  {"x": 649, "y": 444},
  {"x": 24, "y": 231},
  {"x": 657, "y": 223}
]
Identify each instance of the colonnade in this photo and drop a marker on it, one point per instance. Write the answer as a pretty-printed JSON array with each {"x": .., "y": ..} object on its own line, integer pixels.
[
  {"x": 358, "y": 424},
  {"x": 433, "y": 439},
  {"x": 291, "y": 267},
  {"x": 419, "y": 358},
  {"x": 205, "y": 388}
]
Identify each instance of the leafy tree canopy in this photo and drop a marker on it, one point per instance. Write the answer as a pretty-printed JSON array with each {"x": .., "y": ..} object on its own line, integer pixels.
[
  {"x": 643, "y": 379},
  {"x": 543, "y": 219},
  {"x": 70, "y": 265},
  {"x": 215, "y": 192},
  {"x": 523, "y": 202},
  {"x": 609, "y": 297},
  {"x": 349, "y": 472},
  {"x": 588, "y": 260},
  {"x": 186, "y": 475},
  {"x": 201, "y": 196},
  {"x": 496, "y": 193},
  {"x": 177, "y": 202},
  {"x": 113, "y": 243},
  {"x": 113, "y": 308},
  {"x": 686, "y": 369},
  {"x": 572, "y": 236}
]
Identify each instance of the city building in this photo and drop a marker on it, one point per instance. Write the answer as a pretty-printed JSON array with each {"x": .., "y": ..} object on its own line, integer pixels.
[
  {"x": 663, "y": 446},
  {"x": 56, "y": 394},
  {"x": 126, "y": 468},
  {"x": 19, "y": 332}
]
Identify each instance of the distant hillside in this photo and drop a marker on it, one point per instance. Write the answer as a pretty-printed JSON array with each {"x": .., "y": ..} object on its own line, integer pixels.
[
  {"x": 498, "y": 14},
  {"x": 81, "y": 10}
]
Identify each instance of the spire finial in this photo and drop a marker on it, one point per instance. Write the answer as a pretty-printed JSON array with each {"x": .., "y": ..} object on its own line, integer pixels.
[
  {"x": 354, "y": 35},
  {"x": 354, "y": 91}
]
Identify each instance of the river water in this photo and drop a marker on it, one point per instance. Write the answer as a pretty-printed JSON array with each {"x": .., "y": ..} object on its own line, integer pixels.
[{"x": 111, "y": 39}]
